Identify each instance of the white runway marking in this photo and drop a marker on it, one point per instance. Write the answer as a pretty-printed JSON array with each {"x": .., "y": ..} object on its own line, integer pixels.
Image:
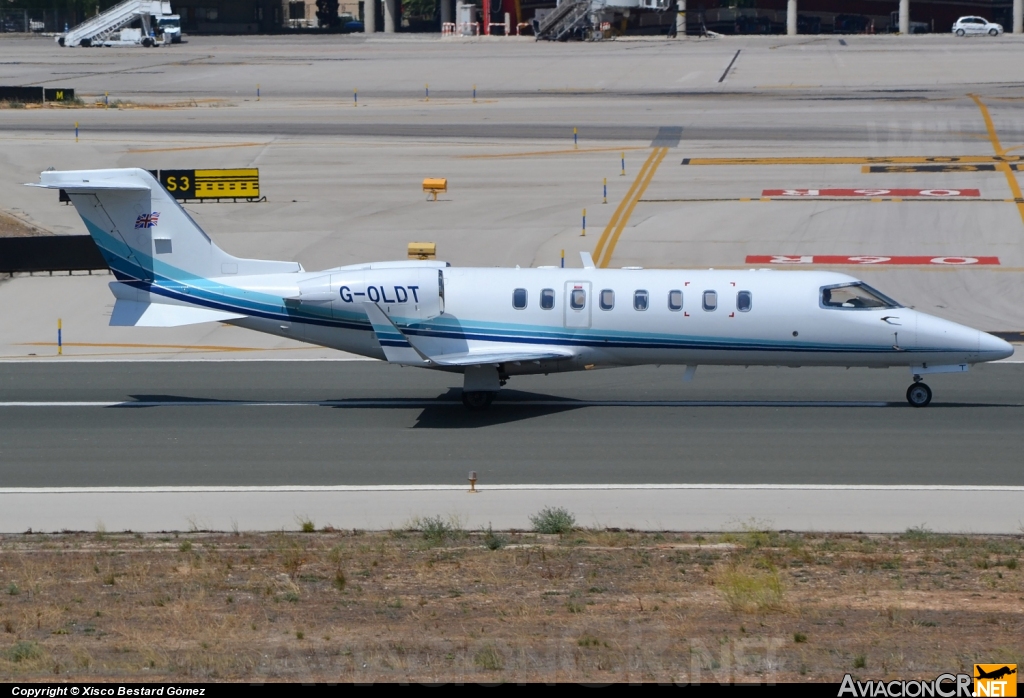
[
  {"x": 436, "y": 403},
  {"x": 241, "y": 489}
]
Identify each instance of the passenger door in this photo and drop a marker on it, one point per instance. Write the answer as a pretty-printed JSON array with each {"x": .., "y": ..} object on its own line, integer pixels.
[{"x": 577, "y": 304}]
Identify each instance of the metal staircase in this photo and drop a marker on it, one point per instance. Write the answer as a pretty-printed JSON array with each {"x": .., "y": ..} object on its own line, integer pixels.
[
  {"x": 96, "y": 30},
  {"x": 569, "y": 18}
]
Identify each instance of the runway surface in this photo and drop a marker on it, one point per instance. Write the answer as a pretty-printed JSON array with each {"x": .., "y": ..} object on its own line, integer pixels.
[{"x": 366, "y": 423}]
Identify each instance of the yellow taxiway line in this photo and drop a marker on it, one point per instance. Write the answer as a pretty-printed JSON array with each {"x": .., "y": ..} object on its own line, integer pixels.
[
  {"x": 195, "y": 147},
  {"x": 1003, "y": 167},
  {"x": 180, "y": 347},
  {"x": 535, "y": 153},
  {"x": 610, "y": 237}
]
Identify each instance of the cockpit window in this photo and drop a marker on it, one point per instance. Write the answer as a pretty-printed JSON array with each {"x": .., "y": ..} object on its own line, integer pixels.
[{"x": 856, "y": 296}]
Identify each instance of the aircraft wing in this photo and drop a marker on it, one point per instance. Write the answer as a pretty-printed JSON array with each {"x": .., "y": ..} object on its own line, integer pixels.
[
  {"x": 400, "y": 348},
  {"x": 480, "y": 358}
]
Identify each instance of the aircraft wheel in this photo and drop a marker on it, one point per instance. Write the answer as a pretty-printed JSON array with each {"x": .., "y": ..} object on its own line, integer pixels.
[
  {"x": 477, "y": 399},
  {"x": 919, "y": 395}
]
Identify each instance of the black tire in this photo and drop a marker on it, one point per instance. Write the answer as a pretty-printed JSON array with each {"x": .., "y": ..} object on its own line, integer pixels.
[
  {"x": 147, "y": 42},
  {"x": 960, "y": 32},
  {"x": 477, "y": 400},
  {"x": 60, "y": 41},
  {"x": 993, "y": 32},
  {"x": 919, "y": 395},
  {"x": 85, "y": 43}
]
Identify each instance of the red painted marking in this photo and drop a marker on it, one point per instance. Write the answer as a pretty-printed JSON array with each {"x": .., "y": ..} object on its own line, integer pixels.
[
  {"x": 922, "y": 193},
  {"x": 868, "y": 260}
]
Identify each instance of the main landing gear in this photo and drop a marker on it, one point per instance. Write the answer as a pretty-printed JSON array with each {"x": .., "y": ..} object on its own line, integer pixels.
[
  {"x": 481, "y": 385},
  {"x": 919, "y": 394},
  {"x": 477, "y": 400}
]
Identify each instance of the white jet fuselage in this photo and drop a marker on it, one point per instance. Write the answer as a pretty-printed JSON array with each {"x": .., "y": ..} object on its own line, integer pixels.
[{"x": 650, "y": 316}]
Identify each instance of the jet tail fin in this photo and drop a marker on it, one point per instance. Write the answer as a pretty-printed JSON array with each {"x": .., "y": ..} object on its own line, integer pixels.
[{"x": 143, "y": 232}]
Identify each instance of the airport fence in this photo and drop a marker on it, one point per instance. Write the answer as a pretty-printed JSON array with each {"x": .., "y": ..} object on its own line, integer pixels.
[{"x": 49, "y": 254}]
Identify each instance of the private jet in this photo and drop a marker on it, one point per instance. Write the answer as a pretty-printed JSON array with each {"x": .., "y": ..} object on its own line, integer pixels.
[{"x": 492, "y": 324}]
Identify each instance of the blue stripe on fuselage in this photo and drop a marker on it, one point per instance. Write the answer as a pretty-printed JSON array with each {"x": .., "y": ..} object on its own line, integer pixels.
[{"x": 180, "y": 285}]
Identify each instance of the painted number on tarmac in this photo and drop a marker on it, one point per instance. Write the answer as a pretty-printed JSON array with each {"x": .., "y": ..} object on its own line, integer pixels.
[
  {"x": 869, "y": 260},
  {"x": 928, "y": 193}
]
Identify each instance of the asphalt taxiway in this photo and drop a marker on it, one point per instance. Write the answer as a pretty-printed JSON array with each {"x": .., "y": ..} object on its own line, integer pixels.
[{"x": 367, "y": 423}]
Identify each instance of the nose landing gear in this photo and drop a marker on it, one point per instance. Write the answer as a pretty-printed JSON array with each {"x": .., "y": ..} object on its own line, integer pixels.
[{"x": 919, "y": 394}]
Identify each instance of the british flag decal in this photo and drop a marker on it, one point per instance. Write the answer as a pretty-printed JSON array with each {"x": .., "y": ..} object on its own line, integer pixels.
[{"x": 147, "y": 220}]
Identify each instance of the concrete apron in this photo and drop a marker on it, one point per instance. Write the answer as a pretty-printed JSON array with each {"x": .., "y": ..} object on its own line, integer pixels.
[{"x": 868, "y": 509}]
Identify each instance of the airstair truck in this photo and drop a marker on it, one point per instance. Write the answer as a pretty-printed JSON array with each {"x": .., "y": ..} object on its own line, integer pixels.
[{"x": 105, "y": 29}]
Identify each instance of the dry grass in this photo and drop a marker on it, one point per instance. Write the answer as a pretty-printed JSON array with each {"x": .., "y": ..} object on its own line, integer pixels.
[
  {"x": 78, "y": 103},
  {"x": 12, "y": 227},
  {"x": 443, "y": 604}
]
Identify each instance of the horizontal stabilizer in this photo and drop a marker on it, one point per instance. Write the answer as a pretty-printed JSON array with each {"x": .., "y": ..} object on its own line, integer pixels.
[
  {"x": 139, "y": 314},
  {"x": 85, "y": 186}
]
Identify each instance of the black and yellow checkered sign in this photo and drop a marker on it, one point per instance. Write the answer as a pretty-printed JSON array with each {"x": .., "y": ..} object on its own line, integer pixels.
[{"x": 212, "y": 184}]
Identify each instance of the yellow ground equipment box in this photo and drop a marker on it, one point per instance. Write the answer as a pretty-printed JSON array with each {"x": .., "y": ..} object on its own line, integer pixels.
[
  {"x": 422, "y": 250},
  {"x": 435, "y": 185}
]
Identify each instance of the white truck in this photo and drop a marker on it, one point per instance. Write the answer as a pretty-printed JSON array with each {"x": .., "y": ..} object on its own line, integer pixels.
[{"x": 169, "y": 28}]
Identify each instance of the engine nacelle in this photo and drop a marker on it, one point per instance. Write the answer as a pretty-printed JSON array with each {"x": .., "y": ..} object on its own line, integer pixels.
[{"x": 407, "y": 295}]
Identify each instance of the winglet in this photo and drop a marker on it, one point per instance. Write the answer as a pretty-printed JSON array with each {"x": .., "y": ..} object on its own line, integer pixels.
[
  {"x": 588, "y": 261},
  {"x": 397, "y": 349}
]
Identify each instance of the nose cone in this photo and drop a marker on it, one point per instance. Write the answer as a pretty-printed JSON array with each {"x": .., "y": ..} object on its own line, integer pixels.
[{"x": 992, "y": 348}]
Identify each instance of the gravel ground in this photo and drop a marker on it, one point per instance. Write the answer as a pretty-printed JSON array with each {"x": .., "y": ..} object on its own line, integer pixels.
[{"x": 439, "y": 604}]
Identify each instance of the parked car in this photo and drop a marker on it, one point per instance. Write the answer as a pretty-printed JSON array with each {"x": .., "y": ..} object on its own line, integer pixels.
[
  {"x": 851, "y": 24},
  {"x": 352, "y": 27},
  {"x": 808, "y": 24},
  {"x": 976, "y": 25}
]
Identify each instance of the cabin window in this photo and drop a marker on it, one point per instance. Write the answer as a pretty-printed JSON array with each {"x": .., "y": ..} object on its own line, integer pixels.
[
  {"x": 547, "y": 299},
  {"x": 710, "y": 301},
  {"x": 577, "y": 299},
  {"x": 855, "y": 296},
  {"x": 519, "y": 298},
  {"x": 744, "y": 301},
  {"x": 641, "y": 299},
  {"x": 675, "y": 300},
  {"x": 607, "y": 299}
]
